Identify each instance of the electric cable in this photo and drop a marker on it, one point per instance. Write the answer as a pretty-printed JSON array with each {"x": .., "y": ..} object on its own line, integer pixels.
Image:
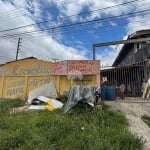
[
  {"x": 78, "y": 23},
  {"x": 125, "y": 3}
]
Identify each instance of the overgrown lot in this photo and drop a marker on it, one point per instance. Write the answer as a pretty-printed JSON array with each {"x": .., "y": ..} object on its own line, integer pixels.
[{"x": 78, "y": 130}]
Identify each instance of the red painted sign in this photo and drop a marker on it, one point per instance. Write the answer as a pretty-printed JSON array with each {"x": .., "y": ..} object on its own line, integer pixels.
[
  {"x": 84, "y": 66},
  {"x": 59, "y": 68},
  {"x": 73, "y": 66}
]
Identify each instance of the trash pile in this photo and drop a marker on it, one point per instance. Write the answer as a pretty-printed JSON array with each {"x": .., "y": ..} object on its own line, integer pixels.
[
  {"x": 78, "y": 94},
  {"x": 47, "y": 90},
  {"x": 43, "y": 102},
  {"x": 44, "y": 97}
]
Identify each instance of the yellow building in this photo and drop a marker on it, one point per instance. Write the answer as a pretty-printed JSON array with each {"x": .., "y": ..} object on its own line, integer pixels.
[{"x": 18, "y": 78}]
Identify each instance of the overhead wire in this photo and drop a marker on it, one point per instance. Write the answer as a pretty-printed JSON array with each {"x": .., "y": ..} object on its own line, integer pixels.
[
  {"x": 66, "y": 17},
  {"x": 34, "y": 53},
  {"x": 39, "y": 55},
  {"x": 13, "y": 10},
  {"x": 38, "y": 34},
  {"x": 42, "y": 30},
  {"x": 31, "y": 50},
  {"x": 2, "y": 56},
  {"x": 77, "y": 23},
  {"x": 59, "y": 2},
  {"x": 39, "y": 50},
  {"x": 12, "y": 13},
  {"x": 82, "y": 29}
]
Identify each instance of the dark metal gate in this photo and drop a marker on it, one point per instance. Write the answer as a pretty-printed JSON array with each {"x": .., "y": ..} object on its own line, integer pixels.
[{"x": 131, "y": 82}]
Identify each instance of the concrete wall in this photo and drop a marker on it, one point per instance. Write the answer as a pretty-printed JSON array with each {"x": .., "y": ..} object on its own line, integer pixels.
[
  {"x": 18, "y": 78},
  {"x": 26, "y": 67}
]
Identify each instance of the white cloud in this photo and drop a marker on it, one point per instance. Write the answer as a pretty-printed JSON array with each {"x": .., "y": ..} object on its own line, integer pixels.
[
  {"x": 141, "y": 23},
  {"x": 108, "y": 55},
  {"x": 114, "y": 24},
  {"x": 50, "y": 46},
  {"x": 44, "y": 47}
]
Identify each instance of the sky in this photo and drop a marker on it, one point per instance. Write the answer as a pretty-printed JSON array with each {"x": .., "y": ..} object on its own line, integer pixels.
[{"x": 66, "y": 29}]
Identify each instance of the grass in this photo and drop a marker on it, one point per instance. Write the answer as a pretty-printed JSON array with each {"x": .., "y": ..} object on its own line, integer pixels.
[
  {"x": 146, "y": 119},
  {"x": 78, "y": 130}
]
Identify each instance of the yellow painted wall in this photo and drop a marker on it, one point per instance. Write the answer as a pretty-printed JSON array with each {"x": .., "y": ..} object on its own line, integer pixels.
[
  {"x": 64, "y": 84},
  {"x": 26, "y": 67},
  {"x": 37, "y": 81},
  {"x": 87, "y": 80},
  {"x": 18, "y": 78},
  {"x": 1, "y": 84},
  {"x": 14, "y": 87}
]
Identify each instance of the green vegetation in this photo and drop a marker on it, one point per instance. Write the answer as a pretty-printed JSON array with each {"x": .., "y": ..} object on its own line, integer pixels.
[
  {"x": 78, "y": 130},
  {"x": 146, "y": 119}
]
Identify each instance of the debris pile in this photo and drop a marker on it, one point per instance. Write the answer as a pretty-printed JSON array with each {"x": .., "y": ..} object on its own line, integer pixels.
[
  {"x": 78, "y": 94},
  {"x": 44, "y": 97},
  {"x": 43, "y": 102}
]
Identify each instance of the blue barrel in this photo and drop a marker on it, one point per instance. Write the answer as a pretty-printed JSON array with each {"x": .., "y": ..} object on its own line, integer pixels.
[
  {"x": 103, "y": 92},
  {"x": 110, "y": 92}
]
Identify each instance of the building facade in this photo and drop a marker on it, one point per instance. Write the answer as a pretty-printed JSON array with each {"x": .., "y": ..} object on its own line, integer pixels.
[
  {"x": 18, "y": 78},
  {"x": 134, "y": 53}
]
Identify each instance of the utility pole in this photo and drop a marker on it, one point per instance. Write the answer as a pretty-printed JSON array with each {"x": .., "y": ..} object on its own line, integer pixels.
[{"x": 18, "y": 48}]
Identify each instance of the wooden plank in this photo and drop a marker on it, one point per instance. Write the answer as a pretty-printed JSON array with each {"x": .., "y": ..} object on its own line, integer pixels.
[{"x": 145, "y": 91}]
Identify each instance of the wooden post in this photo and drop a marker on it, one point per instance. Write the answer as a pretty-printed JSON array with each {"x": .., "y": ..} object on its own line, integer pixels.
[
  {"x": 26, "y": 86},
  {"x": 2, "y": 89}
]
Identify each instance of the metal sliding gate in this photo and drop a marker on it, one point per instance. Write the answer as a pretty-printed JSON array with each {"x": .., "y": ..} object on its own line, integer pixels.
[{"x": 131, "y": 82}]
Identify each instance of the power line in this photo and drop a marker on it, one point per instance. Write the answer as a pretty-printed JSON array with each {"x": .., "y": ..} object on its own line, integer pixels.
[
  {"x": 26, "y": 42},
  {"x": 60, "y": 2},
  {"x": 2, "y": 56},
  {"x": 39, "y": 55},
  {"x": 12, "y": 13},
  {"x": 13, "y": 10},
  {"x": 78, "y": 23},
  {"x": 31, "y": 49},
  {"x": 76, "y": 30},
  {"x": 86, "y": 28},
  {"x": 11, "y": 16},
  {"x": 27, "y": 47},
  {"x": 121, "y": 4}
]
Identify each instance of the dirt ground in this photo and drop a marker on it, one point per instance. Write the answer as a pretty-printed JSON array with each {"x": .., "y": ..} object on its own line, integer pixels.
[{"x": 134, "y": 112}]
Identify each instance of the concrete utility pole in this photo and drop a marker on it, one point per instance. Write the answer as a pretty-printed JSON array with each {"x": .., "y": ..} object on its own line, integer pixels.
[
  {"x": 117, "y": 42},
  {"x": 18, "y": 48}
]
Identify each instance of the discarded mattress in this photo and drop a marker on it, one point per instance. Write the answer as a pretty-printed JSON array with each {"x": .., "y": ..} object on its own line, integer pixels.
[
  {"x": 80, "y": 93},
  {"x": 47, "y": 90},
  {"x": 47, "y": 103}
]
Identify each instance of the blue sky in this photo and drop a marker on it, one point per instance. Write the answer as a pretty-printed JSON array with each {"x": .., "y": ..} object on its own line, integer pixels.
[{"x": 73, "y": 42}]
